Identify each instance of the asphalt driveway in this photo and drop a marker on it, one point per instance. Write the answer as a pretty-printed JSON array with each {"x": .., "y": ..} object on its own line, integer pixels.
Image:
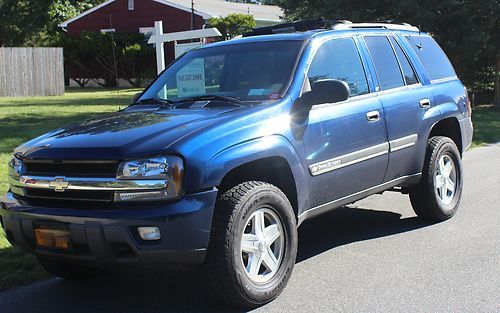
[{"x": 373, "y": 256}]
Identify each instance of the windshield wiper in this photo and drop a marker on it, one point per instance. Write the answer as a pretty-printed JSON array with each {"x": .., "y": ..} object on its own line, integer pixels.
[
  {"x": 162, "y": 102},
  {"x": 231, "y": 99}
]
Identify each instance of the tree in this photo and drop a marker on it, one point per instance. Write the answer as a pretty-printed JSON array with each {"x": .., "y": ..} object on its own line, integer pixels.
[
  {"x": 466, "y": 29},
  {"x": 35, "y": 23},
  {"x": 21, "y": 20},
  {"x": 60, "y": 11},
  {"x": 233, "y": 24}
]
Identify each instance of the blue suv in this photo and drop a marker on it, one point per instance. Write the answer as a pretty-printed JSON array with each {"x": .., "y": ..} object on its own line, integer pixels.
[{"x": 235, "y": 144}]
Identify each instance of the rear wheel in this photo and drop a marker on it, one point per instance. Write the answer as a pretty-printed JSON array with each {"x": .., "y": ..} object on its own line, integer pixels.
[
  {"x": 253, "y": 244},
  {"x": 68, "y": 271},
  {"x": 438, "y": 194}
]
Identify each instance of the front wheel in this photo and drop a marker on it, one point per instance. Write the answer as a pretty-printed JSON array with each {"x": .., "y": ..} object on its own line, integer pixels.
[
  {"x": 253, "y": 244},
  {"x": 438, "y": 194}
]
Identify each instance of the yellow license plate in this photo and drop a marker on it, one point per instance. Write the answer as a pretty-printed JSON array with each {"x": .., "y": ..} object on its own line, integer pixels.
[{"x": 53, "y": 238}]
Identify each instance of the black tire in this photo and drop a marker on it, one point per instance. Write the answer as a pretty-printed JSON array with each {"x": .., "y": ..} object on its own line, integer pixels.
[
  {"x": 224, "y": 267},
  {"x": 425, "y": 197},
  {"x": 69, "y": 271}
]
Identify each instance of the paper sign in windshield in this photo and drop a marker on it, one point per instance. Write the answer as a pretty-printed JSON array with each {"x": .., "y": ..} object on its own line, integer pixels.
[{"x": 191, "y": 79}]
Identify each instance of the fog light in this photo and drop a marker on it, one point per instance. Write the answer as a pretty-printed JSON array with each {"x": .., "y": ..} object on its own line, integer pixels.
[{"x": 149, "y": 233}]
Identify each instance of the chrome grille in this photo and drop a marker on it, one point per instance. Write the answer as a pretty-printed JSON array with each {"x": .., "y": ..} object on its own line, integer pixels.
[{"x": 78, "y": 189}]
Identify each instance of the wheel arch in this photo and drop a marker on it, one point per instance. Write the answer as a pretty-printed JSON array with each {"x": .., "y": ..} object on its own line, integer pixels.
[
  {"x": 274, "y": 170},
  {"x": 271, "y": 159},
  {"x": 448, "y": 127}
]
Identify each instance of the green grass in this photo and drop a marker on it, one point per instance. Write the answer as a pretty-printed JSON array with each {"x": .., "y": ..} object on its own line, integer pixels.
[
  {"x": 24, "y": 118},
  {"x": 486, "y": 121}
]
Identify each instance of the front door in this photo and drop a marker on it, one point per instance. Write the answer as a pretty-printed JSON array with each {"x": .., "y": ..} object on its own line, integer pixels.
[{"x": 345, "y": 143}]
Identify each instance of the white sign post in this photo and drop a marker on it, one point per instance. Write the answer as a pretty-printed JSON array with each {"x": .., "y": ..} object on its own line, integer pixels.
[
  {"x": 190, "y": 81},
  {"x": 159, "y": 38},
  {"x": 160, "y": 50}
]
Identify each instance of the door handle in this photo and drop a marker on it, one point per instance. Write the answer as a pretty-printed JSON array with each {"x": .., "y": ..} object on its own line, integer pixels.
[
  {"x": 425, "y": 103},
  {"x": 373, "y": 116}
]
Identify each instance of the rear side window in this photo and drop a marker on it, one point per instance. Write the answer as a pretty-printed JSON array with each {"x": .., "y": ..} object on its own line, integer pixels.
[
  {"x": 339, "y": 59},
  {"x": 432, "y": 57},
  {"x": 408, "y": 73},
  {"x": 386, "y": 64}
]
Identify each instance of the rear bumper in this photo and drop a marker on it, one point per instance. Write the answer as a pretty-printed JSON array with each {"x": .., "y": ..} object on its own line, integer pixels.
[{"x": 109, "y": 237}]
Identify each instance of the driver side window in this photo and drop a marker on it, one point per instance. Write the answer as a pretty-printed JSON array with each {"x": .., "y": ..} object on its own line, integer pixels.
[{"x": 339, "y": 59}]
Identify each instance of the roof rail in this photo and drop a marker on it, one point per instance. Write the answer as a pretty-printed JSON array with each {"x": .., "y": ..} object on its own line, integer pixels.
[
  {"x": 292, "y": 27},
  {"x": 322, "y": 23},
  {"x": 402, "y": 26}
]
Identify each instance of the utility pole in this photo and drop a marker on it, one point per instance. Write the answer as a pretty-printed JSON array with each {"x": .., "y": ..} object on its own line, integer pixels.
[{"x": 192, "y": 14}]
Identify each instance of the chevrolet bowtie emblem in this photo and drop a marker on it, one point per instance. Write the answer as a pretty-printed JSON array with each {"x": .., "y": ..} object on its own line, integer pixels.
[{"x": 58, "y": 184}]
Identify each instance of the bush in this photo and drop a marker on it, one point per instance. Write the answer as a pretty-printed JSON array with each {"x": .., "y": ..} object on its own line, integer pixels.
[
  {"x": 93, "y": 55},
  {"x": 233, "y": 24}
]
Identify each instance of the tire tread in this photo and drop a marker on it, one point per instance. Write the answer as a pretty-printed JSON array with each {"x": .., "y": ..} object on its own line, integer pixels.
[
  {"x": 422, "y": 196},
  {"x": 217, "y": 268}
]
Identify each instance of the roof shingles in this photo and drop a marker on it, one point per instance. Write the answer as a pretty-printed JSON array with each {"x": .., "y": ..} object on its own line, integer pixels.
[{"x": 210, "y": 8}]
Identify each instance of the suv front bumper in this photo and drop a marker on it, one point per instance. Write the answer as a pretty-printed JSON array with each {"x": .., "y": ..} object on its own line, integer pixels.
[{"x": 109, "y": 237}]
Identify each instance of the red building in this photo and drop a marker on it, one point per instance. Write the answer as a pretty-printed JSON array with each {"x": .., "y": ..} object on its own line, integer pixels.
[{"x": 140, "y": 15}]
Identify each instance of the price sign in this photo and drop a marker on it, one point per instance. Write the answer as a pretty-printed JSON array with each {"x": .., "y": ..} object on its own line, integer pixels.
[{"x": 191, "y": 79}]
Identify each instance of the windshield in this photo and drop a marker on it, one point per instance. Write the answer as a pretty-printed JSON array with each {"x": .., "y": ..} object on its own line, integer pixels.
[{"x": 248, "y": 72}]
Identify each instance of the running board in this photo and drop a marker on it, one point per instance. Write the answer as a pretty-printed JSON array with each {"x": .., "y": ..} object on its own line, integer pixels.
[{"x": 404, "y": 180}]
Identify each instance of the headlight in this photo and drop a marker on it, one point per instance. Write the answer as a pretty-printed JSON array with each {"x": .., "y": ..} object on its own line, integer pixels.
[
  {"x": 16, "y": 167},
  {"x": 168, "y": 168}
]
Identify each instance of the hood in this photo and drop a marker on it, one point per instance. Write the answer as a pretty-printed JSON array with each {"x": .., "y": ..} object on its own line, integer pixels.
[{"x": 133, "y": 132}]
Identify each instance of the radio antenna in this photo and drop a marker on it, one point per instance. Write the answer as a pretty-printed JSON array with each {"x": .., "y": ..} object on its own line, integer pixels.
[
  {"x": 418, "y": 18},
  {"x": 115, "y": 70}
]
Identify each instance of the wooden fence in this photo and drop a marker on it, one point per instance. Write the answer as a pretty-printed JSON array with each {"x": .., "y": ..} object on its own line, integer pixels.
[{"x": 31, "y": 72}]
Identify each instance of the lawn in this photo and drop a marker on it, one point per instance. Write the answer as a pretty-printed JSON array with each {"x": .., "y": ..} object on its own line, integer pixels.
[
  {"x": 24, "y": 118},
  {"x": 486, "y": 125}
]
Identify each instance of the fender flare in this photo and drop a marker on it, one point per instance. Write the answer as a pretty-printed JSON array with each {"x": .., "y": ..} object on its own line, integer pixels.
[{"x": 255, "y": 149}]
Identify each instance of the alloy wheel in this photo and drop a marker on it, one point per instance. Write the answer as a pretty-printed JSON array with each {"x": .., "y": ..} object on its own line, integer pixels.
[{"x": 262, "y": 245}]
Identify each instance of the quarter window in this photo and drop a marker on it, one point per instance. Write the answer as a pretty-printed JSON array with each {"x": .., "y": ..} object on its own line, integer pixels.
[
  {"x": 408, "y": 73},
  {"x": 339, "y": 59},
  {"x": 386, "y": 64},
  {"x": 432, "y": 56}
]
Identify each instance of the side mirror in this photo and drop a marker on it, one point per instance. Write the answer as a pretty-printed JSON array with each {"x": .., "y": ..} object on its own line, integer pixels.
[
  {"x": 135, "y": 97},
  {"x": 327, "y": 91}
]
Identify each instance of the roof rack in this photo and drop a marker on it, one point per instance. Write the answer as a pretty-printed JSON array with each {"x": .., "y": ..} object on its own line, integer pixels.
[
  {"x": 402, "y": 26},
  {"x": 293, "y": 27},
  {"x": 322, "y": 23}
]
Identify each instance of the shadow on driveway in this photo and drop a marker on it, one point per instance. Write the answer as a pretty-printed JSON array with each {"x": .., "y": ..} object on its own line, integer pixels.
[
  {"x": 140, "y": 291},
  {"x": 346, "y": 225}
]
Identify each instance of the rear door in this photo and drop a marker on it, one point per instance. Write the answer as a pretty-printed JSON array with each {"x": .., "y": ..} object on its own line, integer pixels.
[
  {"x": 405, "y": 101},
  {"x": 345, "y": 142}
]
